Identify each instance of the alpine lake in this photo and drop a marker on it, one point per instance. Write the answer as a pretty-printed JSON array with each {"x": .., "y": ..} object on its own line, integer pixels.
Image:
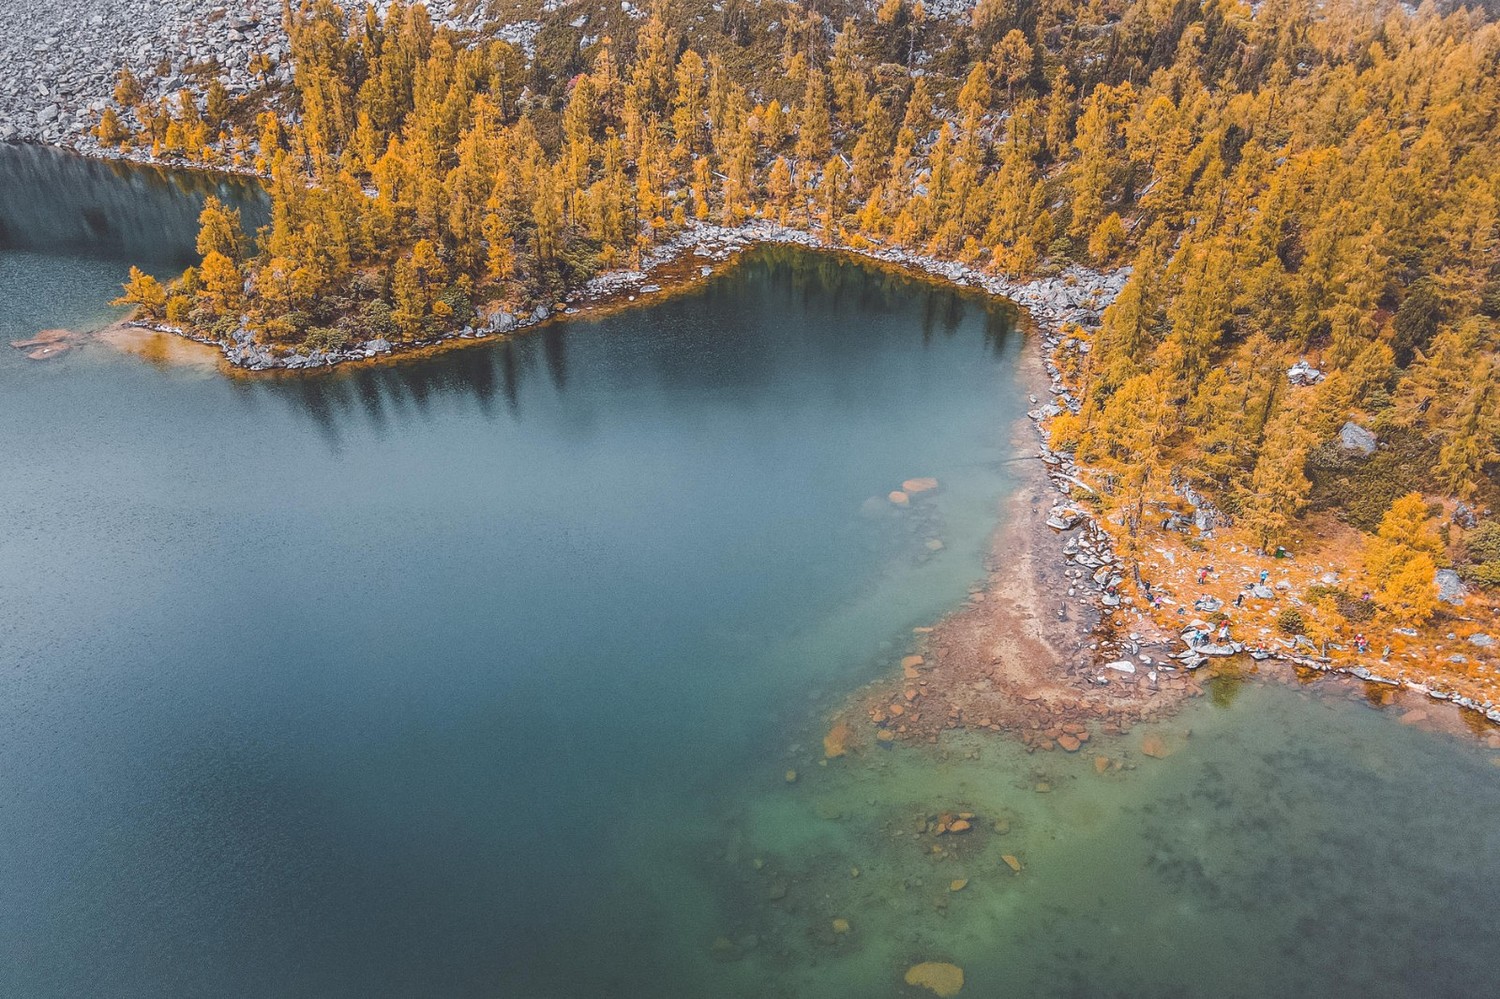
[{"x": 479, "y": 674}]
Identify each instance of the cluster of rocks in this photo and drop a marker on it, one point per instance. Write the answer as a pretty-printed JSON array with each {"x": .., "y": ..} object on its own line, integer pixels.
[
  {"x": 241, "y": 349},
  {"x": 1303, "y": 373},
  {"x": 59, "y": 59}
]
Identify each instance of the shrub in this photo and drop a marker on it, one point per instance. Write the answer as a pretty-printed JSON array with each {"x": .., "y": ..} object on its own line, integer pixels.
[
  {"x": 1485, "y": 574},
  {"x": 1483, "y": 543},
  {"x": 178, "y": 307},
  {"x": 376, "y": 320},
  {"x": 1350, "y": 607},
  {"x": 325, "y": 338},
  {"x": 1482, "y": 555},
  {"x": 1290, "y": 622},
  {"x": 279, "y": 329},
  {"x": 461, "y": 308}
]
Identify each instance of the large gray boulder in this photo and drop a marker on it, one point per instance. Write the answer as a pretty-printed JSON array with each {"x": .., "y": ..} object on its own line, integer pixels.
[
  {"x": 1353, "y": 437},
  {"x": 1450, "y": 587}
]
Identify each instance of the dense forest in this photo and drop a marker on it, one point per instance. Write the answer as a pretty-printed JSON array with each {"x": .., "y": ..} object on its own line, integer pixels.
[{"x": 1296, "y": 180}]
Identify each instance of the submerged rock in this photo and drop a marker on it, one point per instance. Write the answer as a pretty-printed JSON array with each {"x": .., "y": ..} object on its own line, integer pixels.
[
  {"x": 1155, "y": 746},
  {"x": 915, "y": 487},
  {"x": 836, "y": 742},
  {"x": 42, "y": 339},
  {"x": 899, "y": 498},
  {"x": 936, "y": 976}
]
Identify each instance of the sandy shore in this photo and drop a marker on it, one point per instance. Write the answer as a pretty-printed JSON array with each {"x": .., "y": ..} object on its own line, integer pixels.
[{"x": 1021, "y": 655}]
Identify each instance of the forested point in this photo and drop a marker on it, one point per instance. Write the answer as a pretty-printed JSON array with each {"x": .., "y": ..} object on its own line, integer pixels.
[{"x": 1290, "y": 181}]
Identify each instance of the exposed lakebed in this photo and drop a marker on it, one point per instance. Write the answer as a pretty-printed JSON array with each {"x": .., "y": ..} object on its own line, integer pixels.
[{"x": 481, "y": 674}]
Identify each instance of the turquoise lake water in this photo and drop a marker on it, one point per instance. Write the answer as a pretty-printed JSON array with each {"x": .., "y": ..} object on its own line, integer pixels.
[{"x": 478, "y": 675}]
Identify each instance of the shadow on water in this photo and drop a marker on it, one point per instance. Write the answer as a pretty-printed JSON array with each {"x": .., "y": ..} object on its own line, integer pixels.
[
  {"x": 681, "y": 353},
  {"x": 110, "y": 211}
]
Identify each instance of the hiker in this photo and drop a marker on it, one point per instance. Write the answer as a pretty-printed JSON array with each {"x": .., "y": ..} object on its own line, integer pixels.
[
  {"x": 1223, "y": 630},
  {"x": 1265, "y": 574},
  {"x": 1202, "y": 576},
  {"x": 1239, "y": 599}
]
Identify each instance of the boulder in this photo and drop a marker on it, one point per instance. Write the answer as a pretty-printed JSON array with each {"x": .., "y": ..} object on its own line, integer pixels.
[
  {"x": 1062, "y": 518},
  {"x": 1482, "y": 640},
  {"x": 1450, "y": 587},
  {"x": 1353, "y": 437},
  {"x": 1464, "y": 517}
]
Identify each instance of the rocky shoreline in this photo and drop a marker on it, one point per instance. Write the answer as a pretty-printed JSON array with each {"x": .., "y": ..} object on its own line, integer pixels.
[{"x": 1077, "y": 295}]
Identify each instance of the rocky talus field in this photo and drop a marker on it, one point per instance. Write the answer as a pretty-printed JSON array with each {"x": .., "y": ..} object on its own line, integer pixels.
[{"x": 59, "y": 59}]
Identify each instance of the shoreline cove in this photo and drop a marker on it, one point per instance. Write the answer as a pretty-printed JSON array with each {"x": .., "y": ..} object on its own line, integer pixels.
[
  {"x": 1077, "y": 295},
  {"x": 1095, "y": 685}
]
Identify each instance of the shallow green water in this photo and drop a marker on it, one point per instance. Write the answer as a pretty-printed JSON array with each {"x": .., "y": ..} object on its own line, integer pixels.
[{"x": 479, "y": 675}]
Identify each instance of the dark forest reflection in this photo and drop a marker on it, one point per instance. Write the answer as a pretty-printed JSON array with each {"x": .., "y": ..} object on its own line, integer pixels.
[
  {"x": 675, "y": 349},
  {"x": 111, "y": 211}
]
